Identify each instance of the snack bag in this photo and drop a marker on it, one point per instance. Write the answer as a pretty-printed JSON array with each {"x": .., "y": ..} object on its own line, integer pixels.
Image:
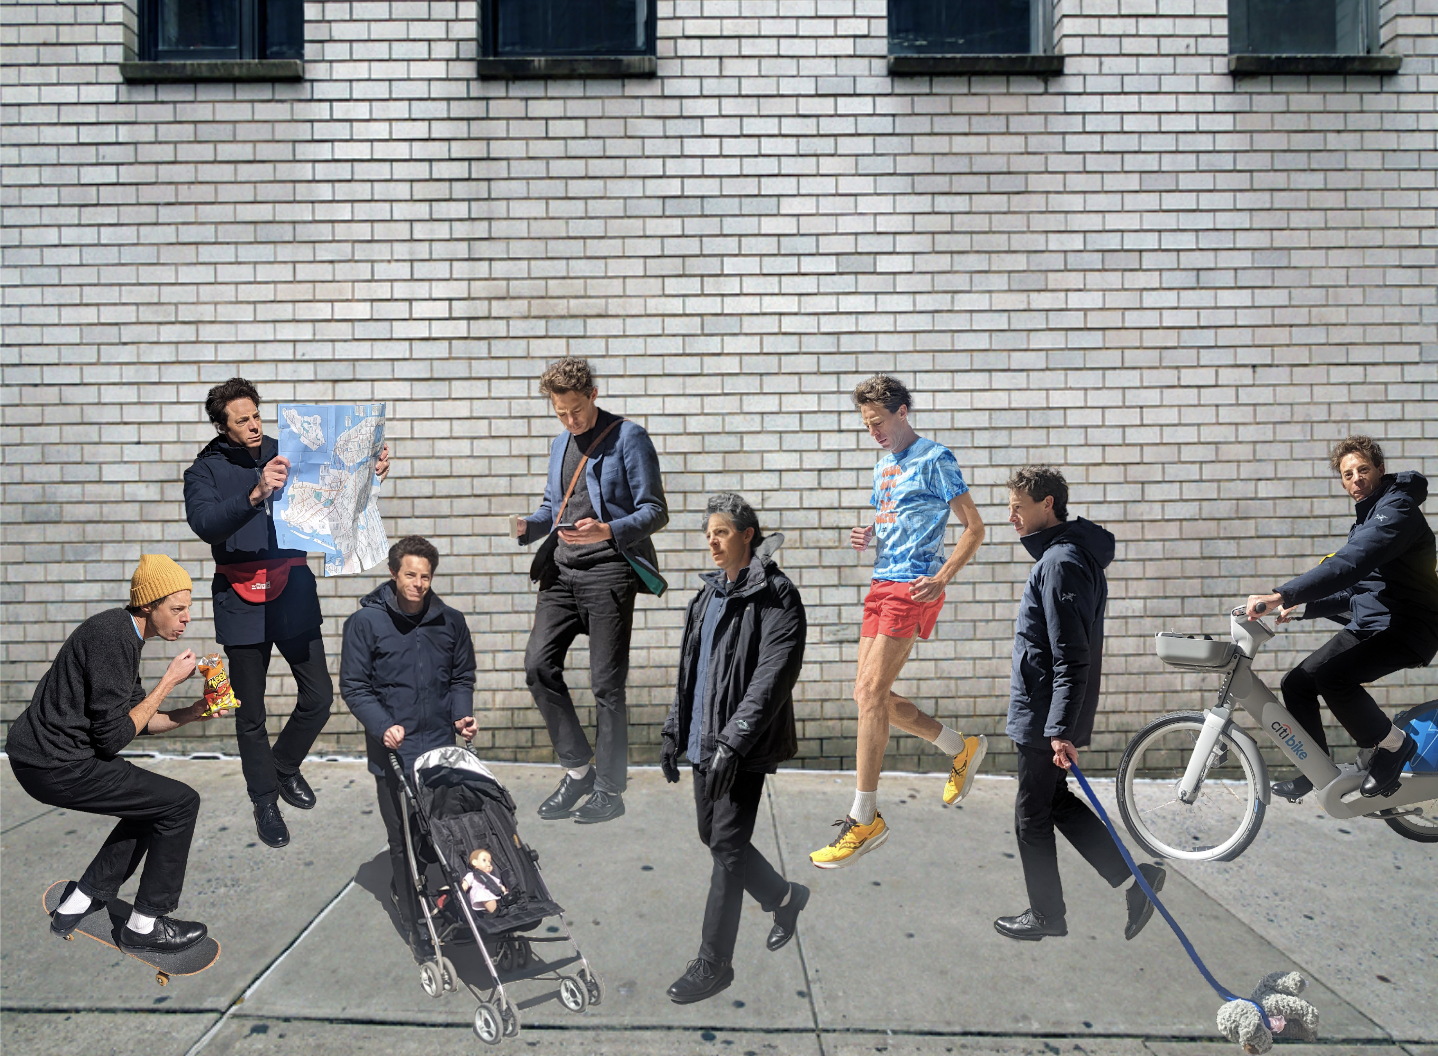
[{"x": 219, "y": 698}]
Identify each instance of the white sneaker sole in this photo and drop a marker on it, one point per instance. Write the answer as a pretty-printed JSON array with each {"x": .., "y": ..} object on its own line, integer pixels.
[
  {"x": 973, "y": 769},
  {"x": 864, "y": 848}
]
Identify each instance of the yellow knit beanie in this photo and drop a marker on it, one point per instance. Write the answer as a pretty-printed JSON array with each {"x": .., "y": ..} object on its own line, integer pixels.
[{"x": 155, "y": 576}]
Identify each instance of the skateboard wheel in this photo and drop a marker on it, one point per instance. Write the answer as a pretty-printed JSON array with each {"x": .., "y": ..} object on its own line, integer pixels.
[
  {"x": 162, "y": 978},
  {"x": 69, "y": 938}
]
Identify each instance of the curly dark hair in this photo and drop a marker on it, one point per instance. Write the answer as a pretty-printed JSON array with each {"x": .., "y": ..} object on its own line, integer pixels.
[
  {"x": 884, "y": 389},
  {"x": 413, "y": 546},
  {"x": 567, "y": 375},
  {"x": 221, "y": 396},
  {"x": 1358, "y": 444},
  {"x": 1038, "y": 483}
]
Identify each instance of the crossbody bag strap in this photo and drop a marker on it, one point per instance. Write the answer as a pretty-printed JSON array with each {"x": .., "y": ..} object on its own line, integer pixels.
[{"x": 559, "y": 517}]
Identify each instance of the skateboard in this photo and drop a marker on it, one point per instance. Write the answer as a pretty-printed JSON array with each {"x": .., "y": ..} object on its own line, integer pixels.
[{"x": 104, "y": 924}]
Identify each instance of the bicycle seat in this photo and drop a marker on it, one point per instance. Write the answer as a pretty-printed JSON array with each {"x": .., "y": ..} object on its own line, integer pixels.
[{"x": 1197, "y": 652}]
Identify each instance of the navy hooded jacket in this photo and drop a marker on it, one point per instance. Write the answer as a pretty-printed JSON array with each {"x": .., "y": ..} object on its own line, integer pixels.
[
  {"x": 1058, "y": 644},
  {"x": 1384, "y": 576},
  {"x": 411, "y": 671},
  {"x": 217, "y": 505}
]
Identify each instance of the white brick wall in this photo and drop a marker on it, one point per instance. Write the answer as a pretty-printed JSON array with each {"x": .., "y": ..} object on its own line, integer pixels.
[{"x": 1179, "y": 287}]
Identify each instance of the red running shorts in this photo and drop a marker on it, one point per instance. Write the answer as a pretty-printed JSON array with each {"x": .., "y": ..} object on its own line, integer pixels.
[{"x": 888, "y": 610}]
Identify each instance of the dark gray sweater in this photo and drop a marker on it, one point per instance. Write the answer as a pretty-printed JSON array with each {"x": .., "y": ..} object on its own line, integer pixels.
[{"x": 81, "y": 708}]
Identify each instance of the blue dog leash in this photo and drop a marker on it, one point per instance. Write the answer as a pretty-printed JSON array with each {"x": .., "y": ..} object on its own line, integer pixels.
[{"x": 1143, "y": 885}]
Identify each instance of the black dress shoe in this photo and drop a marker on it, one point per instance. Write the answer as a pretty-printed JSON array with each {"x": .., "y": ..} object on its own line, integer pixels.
[
  {"x": 1294, "y": 789},
  {"x": 786, "y": 918},
  {"x": 1385, "y": 769},
  {"x": 62, "y": 924},
  {"x": 270, "y": 823},
  {"x": 700, "y": 980},
  {"x": 601, "y": 806},
  {"x": 296, "y": 791},
  {"x": 1140, "y": 909},
  {"x": 1030, "y": 926},
  {"x": 560, "y": 803},
  {"x": 167, "y": 936}
]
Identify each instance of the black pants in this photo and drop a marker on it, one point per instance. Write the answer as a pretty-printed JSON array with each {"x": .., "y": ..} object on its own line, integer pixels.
[
  {"x": 248, "y": 666},
  {"x": 391, "y": 802},
  {"x": 598, "y": 602},
  {"x": 157, "y": 820},
  {"x": 726, "y": 826},
  {"x": 1336, "y": 672},
  {"x": 1044, "y": 802}
]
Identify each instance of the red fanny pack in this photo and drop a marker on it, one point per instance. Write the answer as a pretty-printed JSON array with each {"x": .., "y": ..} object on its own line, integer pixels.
[{"x": 260, "y": 581}]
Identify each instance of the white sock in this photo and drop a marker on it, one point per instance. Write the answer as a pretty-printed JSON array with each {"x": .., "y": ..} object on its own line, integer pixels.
[
  {"x": 866, "y": 805},
  {"x": 949, "y": 741},
  {"x": 1393, "y": 741},
  {"x": 139, "y": 923},
  {"x": 579, "y": 773},
  {"x": 78, "y": 902},
  {"x": 787, "y": 895}
]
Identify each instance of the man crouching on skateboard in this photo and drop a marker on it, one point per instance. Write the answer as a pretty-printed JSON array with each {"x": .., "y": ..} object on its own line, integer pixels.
[{"x": 64, "y": 749}]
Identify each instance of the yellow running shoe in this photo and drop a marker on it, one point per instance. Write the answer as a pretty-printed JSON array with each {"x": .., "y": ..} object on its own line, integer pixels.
[
  {"x": 853, "y": 840},
  {"x": 966, "y": 765}
]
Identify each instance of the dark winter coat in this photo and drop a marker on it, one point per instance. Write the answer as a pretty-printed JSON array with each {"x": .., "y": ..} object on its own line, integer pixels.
[
  {"x": 755, "y": 660},
  {"x": 411, "y": 671},
  {"x": 1384, "y": 576},
  {"x": 81, "y": 708},
  {"x": 217, "y": 505},
  {"x": 1058, "y": 641}
]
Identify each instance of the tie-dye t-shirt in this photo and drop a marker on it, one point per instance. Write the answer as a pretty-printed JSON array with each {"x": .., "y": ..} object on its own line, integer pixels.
[{"x": 912, "y": 491}]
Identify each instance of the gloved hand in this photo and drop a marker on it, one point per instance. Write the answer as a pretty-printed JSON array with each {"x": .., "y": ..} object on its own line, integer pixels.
[
  {"x": 723, "y": 767},
  {"x": 669, "y": 759}
]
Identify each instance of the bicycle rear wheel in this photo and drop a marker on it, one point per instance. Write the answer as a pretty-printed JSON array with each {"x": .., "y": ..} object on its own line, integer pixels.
[{"x": 1222, "y": 820}]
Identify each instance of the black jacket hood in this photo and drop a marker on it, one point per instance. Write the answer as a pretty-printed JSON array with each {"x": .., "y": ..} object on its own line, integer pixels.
[
  {"x": 1411, "y": 483},
  {"x": 755, "y": 574},
  {"x": 1080, "y": 532}
]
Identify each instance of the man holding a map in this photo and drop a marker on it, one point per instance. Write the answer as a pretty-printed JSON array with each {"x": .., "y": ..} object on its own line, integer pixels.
[{"x": 264, "y": 597}]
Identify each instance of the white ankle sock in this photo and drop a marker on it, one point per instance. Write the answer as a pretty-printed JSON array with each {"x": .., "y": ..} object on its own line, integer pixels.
[
  {"x": 78, "y": 902},
  {"x": 866, "y": 805},
  {"x": 1393, "y": 741},
  {"x": 949, "y": 741},
  {"x": 139, "y": 923},
  {"x": 581, "y": 772},
  {"x": 787, "y": 895}
]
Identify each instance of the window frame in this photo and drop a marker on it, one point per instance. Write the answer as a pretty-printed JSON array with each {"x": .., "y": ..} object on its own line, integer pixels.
[
  {"x": 641, "y": 62},
  {"x": 155, "y": 65},
  {"x": 1040, "y": 61},
  {"x": 1245, "y": 60}
]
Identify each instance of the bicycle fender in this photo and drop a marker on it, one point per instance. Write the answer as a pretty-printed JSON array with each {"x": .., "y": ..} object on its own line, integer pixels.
[{"x": 1249, "y": 747}]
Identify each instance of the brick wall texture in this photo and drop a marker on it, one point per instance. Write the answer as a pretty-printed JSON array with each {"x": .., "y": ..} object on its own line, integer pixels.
[{"x": 1178, "y": 286}]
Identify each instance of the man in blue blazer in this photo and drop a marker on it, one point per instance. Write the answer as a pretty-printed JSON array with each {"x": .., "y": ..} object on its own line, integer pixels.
[{"x": 602, "y": 501}]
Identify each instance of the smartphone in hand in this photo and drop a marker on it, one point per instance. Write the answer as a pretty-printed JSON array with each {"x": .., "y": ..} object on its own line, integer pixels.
[{"x": 565, "y": 527}]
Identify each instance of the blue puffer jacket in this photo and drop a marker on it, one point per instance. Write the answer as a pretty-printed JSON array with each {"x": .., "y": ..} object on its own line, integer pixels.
[
  {"x": 217, "y": 505},
  {"x": 1058, "y": 641},
  {"x": 410, "y": 671},
  {"x": 1384, "y": 577}
]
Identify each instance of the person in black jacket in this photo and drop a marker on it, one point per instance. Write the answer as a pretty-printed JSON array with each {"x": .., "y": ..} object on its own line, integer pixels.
[
  {"x": 733, "y": 716},
  {"x": 407, "y": 674},
  {"x": 65, "y": 751},
  {"x": 1053, "y": 697},
  {"x": 1383, "y": 589},
  {"x": 264, "y": 598}
]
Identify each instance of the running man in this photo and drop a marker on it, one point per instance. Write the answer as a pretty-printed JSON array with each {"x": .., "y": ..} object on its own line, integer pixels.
[{"x": 916, "y": 484}]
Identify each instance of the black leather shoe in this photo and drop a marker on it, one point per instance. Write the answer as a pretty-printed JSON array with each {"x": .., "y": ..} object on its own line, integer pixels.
[
  {"x": 270, "y": 823},
  {"x": 1294, "y": 789},
  {"x": 168, "y": 936},
  {"x": 1030, "y": 926},
  {"x": 601, "y": 806},
  {"x": 62, "y": 924},
  {"x": 1140, "y": 909},
  {"x": 296, "y": 791},
  {"x": 1385, "y": 770},
  {"x": 560, "y": 803},
  {"x": 700, "y": 980},
  {"x": 786, "y": 918}
]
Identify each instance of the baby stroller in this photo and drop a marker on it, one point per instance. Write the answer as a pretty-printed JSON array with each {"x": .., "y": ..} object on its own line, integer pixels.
[{"x": 460, "y": 806}]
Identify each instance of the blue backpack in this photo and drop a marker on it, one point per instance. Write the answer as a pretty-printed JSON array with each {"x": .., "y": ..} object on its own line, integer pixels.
[{"x": 1422, "y": 725}]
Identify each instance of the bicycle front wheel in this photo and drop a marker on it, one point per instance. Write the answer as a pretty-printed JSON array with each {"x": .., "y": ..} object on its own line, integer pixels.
[{"x": 1221, "y": 821}]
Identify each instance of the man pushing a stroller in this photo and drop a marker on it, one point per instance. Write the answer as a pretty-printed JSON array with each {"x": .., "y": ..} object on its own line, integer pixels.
[{"x": 407, "y": 673}]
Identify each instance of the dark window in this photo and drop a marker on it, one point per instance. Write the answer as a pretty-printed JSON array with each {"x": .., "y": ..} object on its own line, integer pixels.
[
  {"x": 1301, "y": 27},
  {"x": 540, "y": 28},
  {"x": 968, "y": 27},
  {"x": 208, "y": 30}
]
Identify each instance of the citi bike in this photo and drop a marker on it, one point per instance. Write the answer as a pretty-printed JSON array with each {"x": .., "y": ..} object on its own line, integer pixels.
[{"x": 1194, "y": 786}]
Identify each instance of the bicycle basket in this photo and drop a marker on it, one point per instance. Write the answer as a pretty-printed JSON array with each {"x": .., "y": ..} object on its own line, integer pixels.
[{"x": 1197, "y": 652}]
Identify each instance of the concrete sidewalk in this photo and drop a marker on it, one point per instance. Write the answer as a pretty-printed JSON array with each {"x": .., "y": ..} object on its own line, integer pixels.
[{"x": 894, "y": 955}]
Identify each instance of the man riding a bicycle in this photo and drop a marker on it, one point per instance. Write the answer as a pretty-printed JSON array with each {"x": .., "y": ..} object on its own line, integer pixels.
[{"x": 1382, "y": 587}]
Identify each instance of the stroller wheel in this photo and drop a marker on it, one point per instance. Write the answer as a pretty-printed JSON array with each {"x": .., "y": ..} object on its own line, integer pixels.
[
  {"x": 505, "y": 960},
  {"x": 510, "y": 1016},
  {"x": 523, "y": 953},
  {"x": 573, "y": 994},
  {"x": 487, "y": 1025},
  {"x": 448, "y": 975},
  {"x": 593, "y": 985},
  {"x": 432, "y": 978}
]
